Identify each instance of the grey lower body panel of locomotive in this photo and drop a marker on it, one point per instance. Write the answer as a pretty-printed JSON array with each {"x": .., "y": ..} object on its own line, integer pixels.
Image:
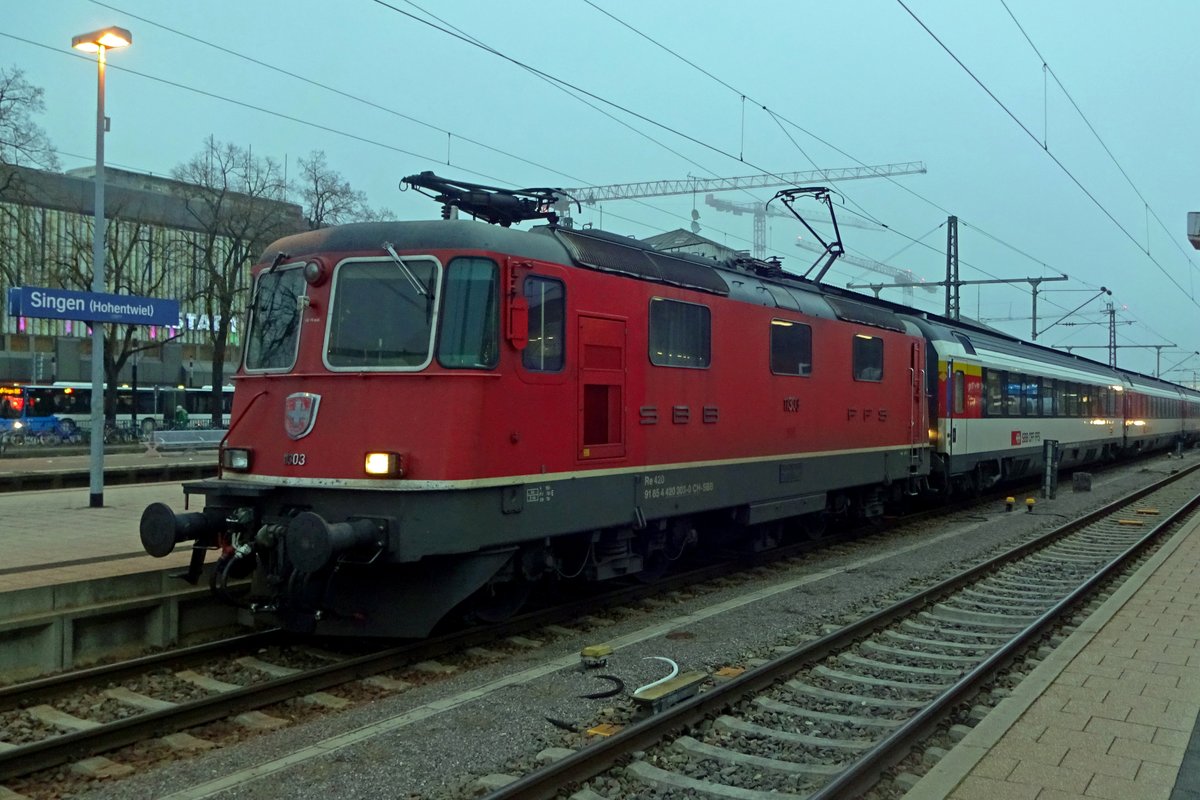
[{"x": 337, "y": 561}]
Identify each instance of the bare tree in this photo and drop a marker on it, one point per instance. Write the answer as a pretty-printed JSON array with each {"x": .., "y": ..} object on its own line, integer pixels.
[
  {"x": 238, "y": 203},
  {"x": 22, "y": 144},
  {"x": 137, "y": 258},
  {"x": 22, "y": 141},
  {"x": 328, "y": 198}
]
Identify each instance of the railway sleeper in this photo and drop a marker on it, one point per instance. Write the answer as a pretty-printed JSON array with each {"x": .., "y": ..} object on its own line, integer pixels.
[
  {"x": 697, "y": 749},
  {"x": 798, "y": 687},
  {"x": 782, "y": 708},
  {"x": 1020, "y": 611},
  {"x": 1006, "y": 600},
  {"x": 993, "y": 586},
  {"x": 938, "y": 628},
  {"x": 841, "y": 678},
  {"x": 728, "y": 724},
  {"x": 945, "y": 613},
  {"x": 1022, "y": 584},
  {"x": 861, "y": 662},
  {"x": 918, "y": 641},
  {"x": 671, "y": 782},
  {"x": 919, "y": 655}
]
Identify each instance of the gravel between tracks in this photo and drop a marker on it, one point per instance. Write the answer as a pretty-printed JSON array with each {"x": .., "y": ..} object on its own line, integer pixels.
[{"x": 438, "y": 755}]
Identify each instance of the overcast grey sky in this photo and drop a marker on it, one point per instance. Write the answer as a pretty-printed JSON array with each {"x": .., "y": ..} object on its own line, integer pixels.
[{"x": 843, "y": 84}]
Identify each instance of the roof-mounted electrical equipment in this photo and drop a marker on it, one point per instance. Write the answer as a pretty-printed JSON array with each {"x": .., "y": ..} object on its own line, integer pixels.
[{"x": 491, "y": 204}]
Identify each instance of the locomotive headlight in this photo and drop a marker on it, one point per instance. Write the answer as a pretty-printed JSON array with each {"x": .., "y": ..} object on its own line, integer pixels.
[
  {"x": 314, "y": 273},
  {"x": 384, "y": 465},
  {"x": 235, "y": 458}
]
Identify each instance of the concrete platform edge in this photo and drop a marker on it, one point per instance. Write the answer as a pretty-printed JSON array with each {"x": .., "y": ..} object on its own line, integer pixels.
[{"x": 949, "y": 772}]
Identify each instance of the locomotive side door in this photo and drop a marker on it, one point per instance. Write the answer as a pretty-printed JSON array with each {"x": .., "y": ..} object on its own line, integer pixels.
[{"x": 601, "y": 387}]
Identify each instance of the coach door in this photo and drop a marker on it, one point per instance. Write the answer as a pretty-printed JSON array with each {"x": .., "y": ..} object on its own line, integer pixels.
[{"x": 601, "y": 387}]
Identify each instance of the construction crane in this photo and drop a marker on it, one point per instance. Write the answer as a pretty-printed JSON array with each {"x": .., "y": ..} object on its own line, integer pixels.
[
  {"x": 593, "y": 194},
  {"x": 690, "y": 185}
]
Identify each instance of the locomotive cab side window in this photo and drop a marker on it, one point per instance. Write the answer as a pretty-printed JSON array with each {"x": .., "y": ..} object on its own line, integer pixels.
[
  {"x": 547, "y": 331},
  {"x": 680, "y": 334},
  {"x": 791, "y": 348},
  {"x": 382, "y": 315},
  {"x": 470, "y": 324},
  {"x": 868, "y": 358},
  {"x": 275, "y": 312}
]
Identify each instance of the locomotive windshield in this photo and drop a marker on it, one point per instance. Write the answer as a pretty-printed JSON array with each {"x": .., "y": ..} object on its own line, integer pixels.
[
  {"x": 275, "y": 320},
  {"x": 382, "y": 316}
]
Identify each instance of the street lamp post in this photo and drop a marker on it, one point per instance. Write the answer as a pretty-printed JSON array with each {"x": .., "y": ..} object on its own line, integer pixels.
[{"x": 99, "y": 42}]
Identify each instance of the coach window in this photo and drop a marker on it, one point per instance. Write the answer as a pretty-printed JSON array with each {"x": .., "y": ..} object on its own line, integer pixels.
[
  {"x": 1012, "y": 393},
  {"x": 960, "y": 391},
  {"x": 680, "y": 334},
  {"x": 791, "y": 348},
  {"x": 1032, "y": 389},
  {"x": 1085, "y": 400},
  {"x": 470, "y": 324},
  {"x": 868, "y": 358},
  {"x": 1046, "y": 397},
  {"x": 995, "y": 393},
  {"x": 544, "y": 353},
  {"x": 1071, "y": 397}
]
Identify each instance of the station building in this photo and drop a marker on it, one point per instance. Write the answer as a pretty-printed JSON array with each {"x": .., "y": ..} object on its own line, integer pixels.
[{"x": 155, "y": 239}]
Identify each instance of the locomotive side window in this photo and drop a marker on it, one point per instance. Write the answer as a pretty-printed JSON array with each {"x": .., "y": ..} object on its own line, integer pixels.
[
  {"x": 382, "y": 315},
  {"x": 544, "y": 353},
  {"x": 868, "y": 358},
  {"x": 275, "y": 320},
  {"x": 470, "y": 324},
  {"x": 791, "y": 348},
  {"x": 680, "y": 334},
  {"x": 960, "y": 391}
]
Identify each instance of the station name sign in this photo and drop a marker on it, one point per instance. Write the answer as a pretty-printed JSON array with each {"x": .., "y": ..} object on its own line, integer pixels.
[{"x": 31, "y": 301}]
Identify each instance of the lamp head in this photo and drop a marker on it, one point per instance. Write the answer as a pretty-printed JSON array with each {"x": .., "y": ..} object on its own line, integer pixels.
[{"x": 108, "y": 38}]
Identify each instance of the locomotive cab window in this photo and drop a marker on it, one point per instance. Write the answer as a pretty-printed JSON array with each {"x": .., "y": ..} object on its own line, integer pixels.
[
  {"x": 470, "y": 324},
  {"x": 680, "y": 334},
  {"x": 275, "y": 312},
  {"x": 791, "y": 348},
  {"x": 382, "y": 314},
  {"x": 868, "y": 358},
  {"x": 544, "y": 352}
]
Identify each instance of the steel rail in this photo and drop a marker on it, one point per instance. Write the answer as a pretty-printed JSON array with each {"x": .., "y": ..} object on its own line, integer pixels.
[
  {"x": 598, "y": 757},
  {"x": 57, "y": 750}
]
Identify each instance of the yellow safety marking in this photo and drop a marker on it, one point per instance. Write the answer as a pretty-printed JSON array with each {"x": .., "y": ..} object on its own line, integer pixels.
[{"x": 604, "y": 729}]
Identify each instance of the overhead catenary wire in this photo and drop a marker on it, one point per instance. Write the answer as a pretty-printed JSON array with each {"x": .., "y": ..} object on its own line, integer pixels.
[{"x": 1078, "y": 183}]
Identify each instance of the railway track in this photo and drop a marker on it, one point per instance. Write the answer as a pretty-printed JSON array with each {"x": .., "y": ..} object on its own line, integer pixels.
[
  {"x": 125, "y": 718},
  {"x": 151, "y": 696},
  {"x": 828, "y": 718}
]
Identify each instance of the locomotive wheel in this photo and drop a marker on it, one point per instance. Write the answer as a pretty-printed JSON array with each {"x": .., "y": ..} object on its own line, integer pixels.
[
  {"x": 654, "y": 566},
  {"x": 815, "y": 526},
  {"x": 499, "y": 601}
]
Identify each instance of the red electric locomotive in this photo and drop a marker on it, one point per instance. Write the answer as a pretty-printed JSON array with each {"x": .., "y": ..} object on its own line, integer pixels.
[{"x": 439, "y": 414}]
